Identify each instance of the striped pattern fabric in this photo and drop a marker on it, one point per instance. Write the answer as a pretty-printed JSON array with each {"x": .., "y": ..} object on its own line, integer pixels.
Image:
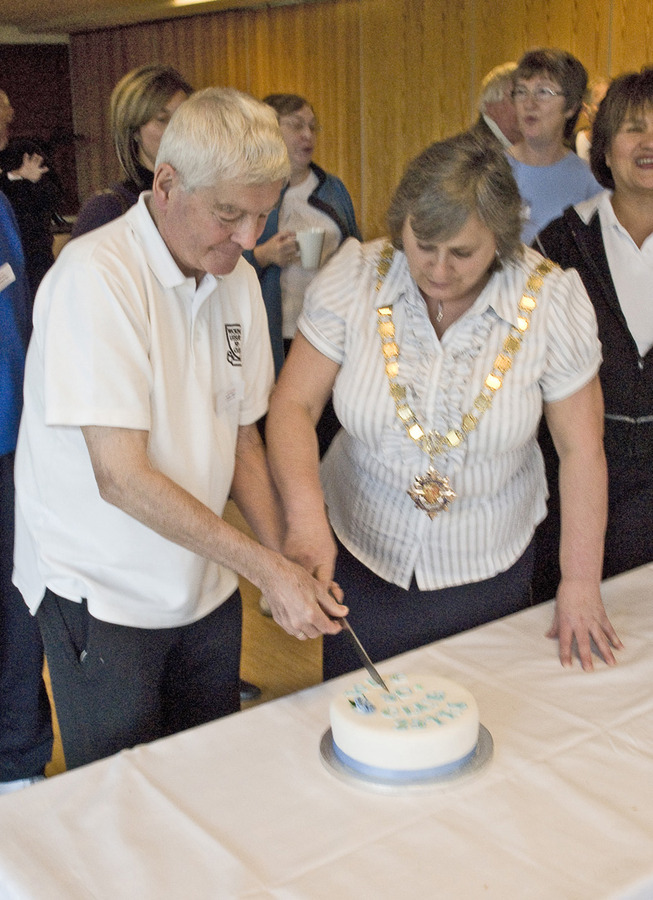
[{"x": 497, "y": 472}]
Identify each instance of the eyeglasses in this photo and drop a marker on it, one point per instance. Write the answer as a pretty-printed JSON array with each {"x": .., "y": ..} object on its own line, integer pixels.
[
  {"x": 296, "y": 125},
  {"x": 540, "y": 95}
]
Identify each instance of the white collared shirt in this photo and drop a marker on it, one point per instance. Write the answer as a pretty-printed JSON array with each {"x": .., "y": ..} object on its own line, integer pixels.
[
  {"x": 496, "y": 131},
  {"x": 631, "y": 268},
  {"x": 123, "y": 339},
  {"x": 497, "y": 472}
]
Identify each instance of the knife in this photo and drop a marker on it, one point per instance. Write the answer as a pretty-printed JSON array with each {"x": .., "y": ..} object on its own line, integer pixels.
[{"x": 360, "y": 650}]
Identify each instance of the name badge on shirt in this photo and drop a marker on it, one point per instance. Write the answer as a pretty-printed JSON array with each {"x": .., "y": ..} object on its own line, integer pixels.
[
  {"x": 7, "y": 276},
  {"x": 228, "y": 398}
]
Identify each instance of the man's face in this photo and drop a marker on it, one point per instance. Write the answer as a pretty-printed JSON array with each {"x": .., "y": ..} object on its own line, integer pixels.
[
  {"x": 503, "y": 112},
  {"x": 208, "y": 229}
]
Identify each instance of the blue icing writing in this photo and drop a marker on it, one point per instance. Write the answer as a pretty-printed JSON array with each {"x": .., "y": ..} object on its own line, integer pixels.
[{"x": 363, "y": 705}]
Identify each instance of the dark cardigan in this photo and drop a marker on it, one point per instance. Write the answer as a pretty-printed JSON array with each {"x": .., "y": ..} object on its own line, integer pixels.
[{"x": 627, "y": 383}]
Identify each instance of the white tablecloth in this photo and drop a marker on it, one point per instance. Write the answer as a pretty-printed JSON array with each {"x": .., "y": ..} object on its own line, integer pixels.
[{"x": 245, "y": 807}]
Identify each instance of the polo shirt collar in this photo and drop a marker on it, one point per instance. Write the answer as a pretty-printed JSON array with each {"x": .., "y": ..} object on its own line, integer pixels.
[{"x": 159, "y": 258}]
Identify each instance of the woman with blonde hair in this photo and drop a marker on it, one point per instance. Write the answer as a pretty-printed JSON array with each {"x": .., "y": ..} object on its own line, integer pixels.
[{"x": 141, "y": 106}]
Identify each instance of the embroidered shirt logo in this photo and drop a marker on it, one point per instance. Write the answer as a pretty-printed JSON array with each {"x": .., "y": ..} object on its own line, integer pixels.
[{"x": 234, "y": 339}]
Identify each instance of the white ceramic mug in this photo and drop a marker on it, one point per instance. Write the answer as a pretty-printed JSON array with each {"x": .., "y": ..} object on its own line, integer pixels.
[{"x": 310, "y": 241}]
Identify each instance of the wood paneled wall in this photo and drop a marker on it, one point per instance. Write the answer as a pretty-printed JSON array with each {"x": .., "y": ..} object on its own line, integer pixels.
[{"x": 386, "y": 77}]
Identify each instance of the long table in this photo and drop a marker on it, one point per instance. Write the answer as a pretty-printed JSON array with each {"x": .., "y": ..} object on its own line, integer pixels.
[{"x": 246, "y": 808}]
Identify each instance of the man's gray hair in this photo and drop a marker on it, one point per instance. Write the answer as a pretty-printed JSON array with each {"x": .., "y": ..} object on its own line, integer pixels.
[
  {"x": 496, "y": 83},
  {"x": 221, "y": 134}
]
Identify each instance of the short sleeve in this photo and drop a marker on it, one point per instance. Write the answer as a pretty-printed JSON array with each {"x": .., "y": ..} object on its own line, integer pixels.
[
  {"x": 83, "y": 303},
  {"x": 331, "y": 298}
]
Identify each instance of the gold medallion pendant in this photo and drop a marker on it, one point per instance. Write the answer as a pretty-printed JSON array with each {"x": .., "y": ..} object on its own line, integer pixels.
[{"x": 432, "y": 492}]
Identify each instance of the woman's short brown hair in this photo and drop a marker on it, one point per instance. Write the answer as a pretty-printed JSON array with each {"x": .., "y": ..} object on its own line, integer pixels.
[
  {"x": 452, "y": 180},
  {"x": 286, "y": 104},
  {"x": 629, "y": 93},
  {"x": 562, "y": 67}
]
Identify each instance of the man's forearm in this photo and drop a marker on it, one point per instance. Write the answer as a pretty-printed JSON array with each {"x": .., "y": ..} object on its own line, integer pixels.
[{"x": 252, "y": 489}]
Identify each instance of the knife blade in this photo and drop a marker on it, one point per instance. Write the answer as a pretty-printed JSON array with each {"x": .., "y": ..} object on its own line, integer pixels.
[{"x": 362, "y": 654}]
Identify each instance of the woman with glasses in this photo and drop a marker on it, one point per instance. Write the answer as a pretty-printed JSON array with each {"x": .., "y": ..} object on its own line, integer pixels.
[
  {"x": 609, "y": 241},
  {"x": 548, "y": 91},
  {"x": 313, "y": 199}
]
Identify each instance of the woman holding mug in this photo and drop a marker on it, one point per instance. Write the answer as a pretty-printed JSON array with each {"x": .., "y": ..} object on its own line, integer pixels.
[{"x": 313, "y": 199}]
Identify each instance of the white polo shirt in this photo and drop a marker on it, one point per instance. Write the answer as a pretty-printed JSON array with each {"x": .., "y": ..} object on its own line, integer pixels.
[
  {"x": 123, "y": 339},
  {"x": 498, "y": 471}
]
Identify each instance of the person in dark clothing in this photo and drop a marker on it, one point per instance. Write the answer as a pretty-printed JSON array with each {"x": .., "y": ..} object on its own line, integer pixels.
[
  {"x": 609, "y": 241},
  {"x": 35, "y": 193},
  {"x": 25, "y": 724}
]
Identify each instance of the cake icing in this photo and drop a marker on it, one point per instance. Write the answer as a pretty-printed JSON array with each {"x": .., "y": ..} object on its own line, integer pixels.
[{"x": 425, "y": 726}]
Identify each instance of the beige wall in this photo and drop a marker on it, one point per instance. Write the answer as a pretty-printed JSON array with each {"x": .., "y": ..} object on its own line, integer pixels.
[{"x": 386, "y": 77}]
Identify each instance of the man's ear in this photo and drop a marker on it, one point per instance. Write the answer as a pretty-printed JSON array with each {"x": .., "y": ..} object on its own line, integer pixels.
[{"x": 165, "y": 178}]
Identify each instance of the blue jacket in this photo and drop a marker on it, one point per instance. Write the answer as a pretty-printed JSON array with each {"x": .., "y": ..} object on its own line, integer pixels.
[
  {"x": 330, "y": 197},
  {"x": 14, "y": 328}
]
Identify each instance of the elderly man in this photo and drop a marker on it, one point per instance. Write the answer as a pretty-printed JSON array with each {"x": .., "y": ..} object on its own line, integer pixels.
[
  {"x": 497, "y": 119},
  {"x": 149, "y": 367}
]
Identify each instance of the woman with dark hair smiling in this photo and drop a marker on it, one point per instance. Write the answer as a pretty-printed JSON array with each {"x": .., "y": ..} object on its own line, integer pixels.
[
  {"x": 443, "y": 345},
  {"x": 609, "y": 241}
]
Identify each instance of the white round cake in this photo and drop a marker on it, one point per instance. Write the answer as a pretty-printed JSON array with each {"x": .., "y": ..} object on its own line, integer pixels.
[{"x": 424, "y": 727}]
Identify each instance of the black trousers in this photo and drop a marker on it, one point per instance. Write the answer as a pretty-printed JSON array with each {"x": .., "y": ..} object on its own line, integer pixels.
[
  {"x": 25, "y": 726},
  {"x": 115, "y": 686},
  {"x": 389, "y": 619}
]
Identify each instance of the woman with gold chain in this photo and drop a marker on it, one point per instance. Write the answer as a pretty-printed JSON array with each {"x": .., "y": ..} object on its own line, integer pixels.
[{"x": 442, "y": 346}]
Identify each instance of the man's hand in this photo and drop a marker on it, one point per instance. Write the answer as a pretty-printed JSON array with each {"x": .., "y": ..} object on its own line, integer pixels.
[{"x": 301, "y": 604}]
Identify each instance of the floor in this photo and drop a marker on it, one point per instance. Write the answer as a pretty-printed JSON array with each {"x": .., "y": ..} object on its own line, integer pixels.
[{"x": 277, "y": 663}]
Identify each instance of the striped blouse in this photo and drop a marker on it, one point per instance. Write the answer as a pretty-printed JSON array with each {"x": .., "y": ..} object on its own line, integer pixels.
[{"x": 497, "y": 472}]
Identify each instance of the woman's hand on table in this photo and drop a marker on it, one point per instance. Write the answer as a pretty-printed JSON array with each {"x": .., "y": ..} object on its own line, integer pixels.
[
  {"x": 581, "y": 617},
  {"x": 303, "y": 605},
  {"x": 280, "y": 250}
]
